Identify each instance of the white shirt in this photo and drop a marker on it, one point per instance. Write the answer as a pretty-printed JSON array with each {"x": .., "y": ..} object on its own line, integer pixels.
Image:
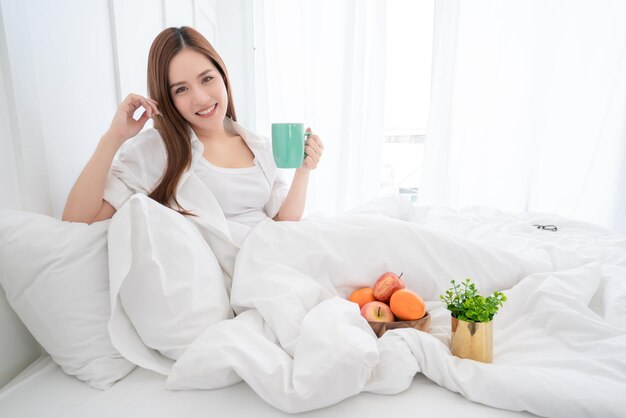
[
  {"x": 241, "y": 192},
  {"x": 142, "y": 160}
]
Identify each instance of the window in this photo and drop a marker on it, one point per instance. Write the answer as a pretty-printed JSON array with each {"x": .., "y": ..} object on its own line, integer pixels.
[{"x": 407, "y": 96}]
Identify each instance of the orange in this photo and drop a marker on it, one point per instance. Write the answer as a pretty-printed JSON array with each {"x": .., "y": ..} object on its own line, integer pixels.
[
  {"x": 362, "y": 296},
  {"x": 407, "y": 305}
]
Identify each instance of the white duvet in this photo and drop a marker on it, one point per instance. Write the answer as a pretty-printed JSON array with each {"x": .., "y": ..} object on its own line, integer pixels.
[{"x": 559, "y": 340}]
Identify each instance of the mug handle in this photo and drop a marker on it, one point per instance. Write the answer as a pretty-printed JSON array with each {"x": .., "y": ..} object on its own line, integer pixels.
[{"x": 305, "y": 135}]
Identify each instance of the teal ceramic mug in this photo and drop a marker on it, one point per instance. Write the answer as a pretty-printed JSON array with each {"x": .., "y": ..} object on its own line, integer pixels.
[{"x": 288, "y": 144}]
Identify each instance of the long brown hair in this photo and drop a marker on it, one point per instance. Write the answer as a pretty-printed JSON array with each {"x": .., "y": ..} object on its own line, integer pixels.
[{"x": 173, "y": 128}]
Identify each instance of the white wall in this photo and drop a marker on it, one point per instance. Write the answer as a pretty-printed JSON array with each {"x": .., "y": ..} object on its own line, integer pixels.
[{"x": 64, "y": 67}]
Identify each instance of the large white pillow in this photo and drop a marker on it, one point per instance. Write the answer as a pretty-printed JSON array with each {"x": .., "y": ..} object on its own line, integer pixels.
[
  {"x": 55, "y": 276},
  {"x": 167, "y": 286}
]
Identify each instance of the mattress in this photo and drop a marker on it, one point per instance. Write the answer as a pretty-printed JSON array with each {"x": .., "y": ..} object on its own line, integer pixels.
[{"x": 43, "y": 390}]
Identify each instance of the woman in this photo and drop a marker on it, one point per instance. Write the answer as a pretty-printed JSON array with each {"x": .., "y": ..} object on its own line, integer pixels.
[{"x": 196, "y": 134}]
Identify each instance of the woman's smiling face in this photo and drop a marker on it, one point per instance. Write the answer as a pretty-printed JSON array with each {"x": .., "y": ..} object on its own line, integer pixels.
[{"x": 198, "y": 90}]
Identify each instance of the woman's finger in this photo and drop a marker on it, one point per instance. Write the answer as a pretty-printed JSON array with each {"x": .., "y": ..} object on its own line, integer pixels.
[
  {"x": 136, "y": 100},
  {"x": 318, "y": 141},
  {"x": 310, "y": 162},
  {"x": 130, "y": 104},
  {"x": 152, "y": 110},
  {"x": 316, "y": 146},
  {"x": 155, "y": 106},
  {"x": 133, "y": 99},
  {"x": 144, "y": 117},
  {"x": 309, "y": 150},
  {"x": 149, "y": 106}
]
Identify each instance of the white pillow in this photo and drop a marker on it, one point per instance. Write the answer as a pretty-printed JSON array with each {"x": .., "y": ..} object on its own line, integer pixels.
[
  {"x": 55, "y": 276},
  {"x": 165, "y": 282}
]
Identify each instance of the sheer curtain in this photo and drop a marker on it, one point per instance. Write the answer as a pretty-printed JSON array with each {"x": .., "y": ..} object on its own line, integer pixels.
[
  {"x": 528, "y": 108},
  {"x": 322, "y": 63}
]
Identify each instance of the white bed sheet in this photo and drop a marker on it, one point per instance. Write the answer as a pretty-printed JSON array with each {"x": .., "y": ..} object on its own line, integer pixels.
[{"x": 43, "y": 390}]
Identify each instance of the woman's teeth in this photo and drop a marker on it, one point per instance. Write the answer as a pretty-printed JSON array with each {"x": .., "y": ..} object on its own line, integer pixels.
[{"x": 207, "y": 111}]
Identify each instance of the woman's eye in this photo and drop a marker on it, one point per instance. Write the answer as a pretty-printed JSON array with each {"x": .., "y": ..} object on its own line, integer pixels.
[
  {"x": 179, "y": 90},
  {"x": 207, "y": 79}
]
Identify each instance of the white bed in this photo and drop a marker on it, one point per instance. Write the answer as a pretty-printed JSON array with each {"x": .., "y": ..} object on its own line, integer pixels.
[
  {"x": 44, "y": 390},
  {"x": 289, "y": 277}
]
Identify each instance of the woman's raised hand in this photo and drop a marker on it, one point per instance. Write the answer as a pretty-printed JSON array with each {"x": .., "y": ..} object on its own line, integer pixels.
[{"x": 124, "y": 126}]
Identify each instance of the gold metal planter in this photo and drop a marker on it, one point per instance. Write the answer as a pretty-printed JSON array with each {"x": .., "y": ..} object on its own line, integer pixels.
[{"x": 472, "y": 340}]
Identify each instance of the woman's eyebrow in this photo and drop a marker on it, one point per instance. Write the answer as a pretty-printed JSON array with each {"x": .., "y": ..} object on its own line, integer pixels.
[{"x": 202, "y": 74}]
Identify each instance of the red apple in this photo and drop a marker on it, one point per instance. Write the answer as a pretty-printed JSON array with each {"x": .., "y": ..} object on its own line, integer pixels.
[
  {"x": 386, "y": 285},
  {"x": 377, "y": 312}
]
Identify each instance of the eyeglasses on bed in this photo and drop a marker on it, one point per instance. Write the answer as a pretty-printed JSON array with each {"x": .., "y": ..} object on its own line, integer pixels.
[{"x": 552, "y": 228}]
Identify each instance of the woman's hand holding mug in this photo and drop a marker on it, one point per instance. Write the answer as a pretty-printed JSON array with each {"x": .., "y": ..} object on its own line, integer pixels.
[{"x": 313, "y": 149}]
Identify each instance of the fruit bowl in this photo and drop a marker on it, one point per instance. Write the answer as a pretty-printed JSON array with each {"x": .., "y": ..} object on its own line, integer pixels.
[{"x": 422, "y": 324}]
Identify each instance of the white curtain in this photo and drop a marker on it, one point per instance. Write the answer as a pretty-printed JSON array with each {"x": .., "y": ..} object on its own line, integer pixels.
[
  {"x": 321, "y": 62},
  {"x": 528, "y": 108}
]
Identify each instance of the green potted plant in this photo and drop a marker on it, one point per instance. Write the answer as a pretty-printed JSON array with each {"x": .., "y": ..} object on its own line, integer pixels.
[{"x": 472, "y": 330}]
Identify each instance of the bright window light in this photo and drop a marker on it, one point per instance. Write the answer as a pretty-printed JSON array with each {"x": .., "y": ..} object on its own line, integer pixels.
[{"x": 407, "y": 97}]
